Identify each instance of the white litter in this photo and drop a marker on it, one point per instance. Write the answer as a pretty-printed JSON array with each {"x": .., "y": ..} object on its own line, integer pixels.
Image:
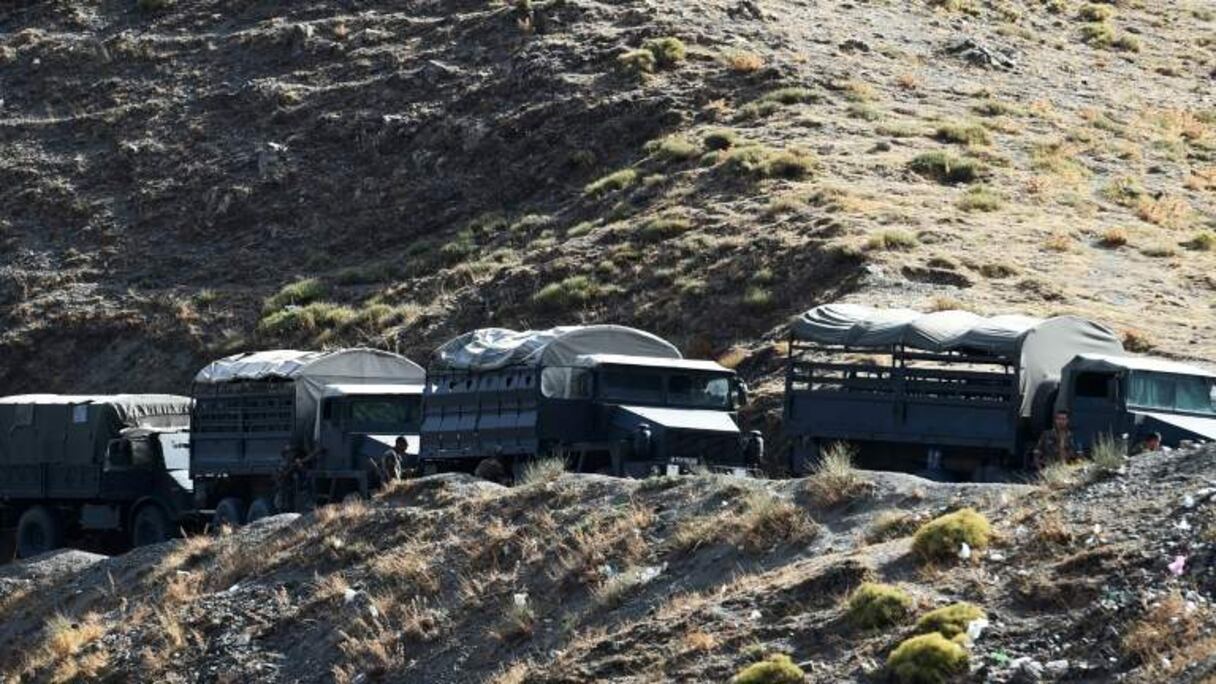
[
  {"x": 1183, "y": 525},
  {"x": 1188, "y": 501},
  {"x": 521, "y": 599},
  {"x": 975, "y": 628},
  {"x": 964, "y": 553},
  {"x": 755, "y": 615}
]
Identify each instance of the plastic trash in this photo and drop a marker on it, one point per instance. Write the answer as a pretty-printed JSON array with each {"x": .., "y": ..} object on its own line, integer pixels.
[
  {"x": 975, "y": 628},
  {"x": 755, "y": 615},
  {"x": 1183, "y": 525},
  {"x": 1188, "y": 501},
  {"x": 1178, "y": 566},
  {"x": 964, "y": 553},
  {"x": 521, "y": 599}
]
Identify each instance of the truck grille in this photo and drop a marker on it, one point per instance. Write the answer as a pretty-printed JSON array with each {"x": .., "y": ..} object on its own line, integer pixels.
[{"x": 711, "y": 447}]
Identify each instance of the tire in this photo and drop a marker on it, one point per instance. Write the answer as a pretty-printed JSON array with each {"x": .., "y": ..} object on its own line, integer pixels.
[
  {"x": 38, "y": 531},
  {"x": 230, "y": 511},
  {"x": 261, "y": 507},
  {"x": 150, "y": 525}
]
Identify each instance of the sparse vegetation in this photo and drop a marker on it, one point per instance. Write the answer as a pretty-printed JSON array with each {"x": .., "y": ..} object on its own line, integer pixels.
[
  {"x": 963, "y": 134},
  {"x": 893, "y": 239},
  {"x": 298, "y": 293},
  {"x": 743, "y": 61},
  {"x": 775, "y": 669},
  {"x": 834, "y": 480},
  {"x": 941, "y": 539},
  {"x": 980, "y": 198},
  {"x": 949, "y": 621},
  {"x": 757, "y": 161},
  {"x": 541, "y": 470},
  {"x": 571, "y": 292},
  {"x": 1137, "y": 342},
  {"x": 876, "y": 606},
  {"x": 1113, "y": 238},
  {"x": 674, "y": 148},
  {"x": 947, "y": 168},
  {"x": 1108, "y": 454},
  {"x": 667, "y": 51},
  {"x": 927, "y": 659},
  {"x": 663, "y": 228},
  {"x": 1094, "y": 12},
  {"x": 618, "y": 180},
  {"x": 721, "y": 139}
]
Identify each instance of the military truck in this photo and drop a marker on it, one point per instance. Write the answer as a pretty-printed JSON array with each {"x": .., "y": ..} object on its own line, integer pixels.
[
  {"x": 283, "y": 430},
  {"x": 76, "y": 466},
  {"x": 950, "y": 394},
  {"x": 604, "y": 398},
  {"x": 1132, "y": 397}
]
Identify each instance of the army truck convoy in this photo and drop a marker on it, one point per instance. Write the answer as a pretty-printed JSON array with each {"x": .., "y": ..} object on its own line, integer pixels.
[{"x": 951, "y": 394}]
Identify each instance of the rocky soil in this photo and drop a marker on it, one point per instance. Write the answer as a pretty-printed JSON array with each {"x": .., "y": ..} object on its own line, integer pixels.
[
  {"x": 578, "y": 578},
  {"x": 168, "y": 166}
]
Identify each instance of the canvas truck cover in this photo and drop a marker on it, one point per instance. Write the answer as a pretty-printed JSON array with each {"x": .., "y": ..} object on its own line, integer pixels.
[
  {"x": 47, "y": 428},
  {"x": 311, "y": 372},
  {"x": 493, "y": 348},
  {"x": 1040, "y": 346}
]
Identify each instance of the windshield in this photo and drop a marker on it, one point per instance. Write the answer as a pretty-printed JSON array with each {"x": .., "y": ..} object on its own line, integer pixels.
[
  {"x": 391, "y": 414},
  {"x": 658, "y": 388},
  {"x": 175, "y": 447},
  {"x": 1168, "y": 392}
]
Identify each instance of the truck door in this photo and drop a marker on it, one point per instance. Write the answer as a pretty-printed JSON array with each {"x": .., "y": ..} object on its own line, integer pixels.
[{"x": 1097, "y": 406}]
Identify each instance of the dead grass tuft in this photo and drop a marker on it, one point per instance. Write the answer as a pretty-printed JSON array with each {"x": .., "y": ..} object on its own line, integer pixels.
[{"x": 834, "y": 480}]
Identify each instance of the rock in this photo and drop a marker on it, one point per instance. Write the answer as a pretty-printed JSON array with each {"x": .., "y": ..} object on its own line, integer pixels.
[
  {"x": 1025, "y": 670},
  {"x": 1057, "y": 668},
  {"x": 981, "y": 55}
]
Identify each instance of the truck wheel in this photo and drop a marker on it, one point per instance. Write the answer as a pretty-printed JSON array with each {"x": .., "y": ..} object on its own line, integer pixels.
[
  {"x": 151, "y": 525},
  {"x": 38, "y": 531},
  {"x": 230, "y": 511},
  {"x": 260, "y": 508}
]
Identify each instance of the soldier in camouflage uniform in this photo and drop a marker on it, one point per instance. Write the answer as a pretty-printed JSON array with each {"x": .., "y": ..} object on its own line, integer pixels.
[{"x": 1056, "y": 445}]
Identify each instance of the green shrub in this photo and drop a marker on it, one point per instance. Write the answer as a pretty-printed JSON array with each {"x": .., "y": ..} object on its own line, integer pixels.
[
  {"x": 943, "y": 537},
  {"x": 638, "y": 61},
  {"x": 618, "y": 180},
  {"x": 1203, "y": 242},
  {"x": 673, "y": 148},
  {"x": 1126, "y": 43},
  {"x": 1096, "y": 12},
  {"x": 873, "y": 606},
  {"x": 1099, "y": 34},
  {"x": 757, "y": 298},
  {"x": 949, "y": 621},
  {"x": 308, "y": 318},
  {"x": 864, "y": 111},
  {"x": 790, "y": 95},
  {"x": 299, "y": 292},
  {"x": 996, "y": 108},
  {"x": 1108, "y": 454},
  {"x": 571, "y": 292},
  {"x": 894, "y": 238},
  {"x": 775, "y": 669},
  {"x": 947, "y": 168},
  {"x": 927, "y": 659},
  {"x": 667, "y": 51},
  {"x": 980, "y": 198},
  {"x": 663, "y": 228},
  {"x": 758, "y": 110},
  {"x": 721, "y": 139},
  {"x": 766, "y": 162},
  {"x": 962, "y": 134}
]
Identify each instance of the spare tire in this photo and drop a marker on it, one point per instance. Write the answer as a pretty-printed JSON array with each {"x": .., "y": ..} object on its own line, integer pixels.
[{"x": 38, "y": 531}]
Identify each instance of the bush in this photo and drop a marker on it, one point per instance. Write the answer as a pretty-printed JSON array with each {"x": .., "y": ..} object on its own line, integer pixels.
[
  {"x": 892, "y": 239},
  {"x": 662, "y": 228},
  {"x": 874, "y": 606},
  {"x": 927, "y": 659},
  {"x": 618, "y": 180},
  {"x": 943, "y": 537},
  {"x": 834, "y": 480},
  {"x": 1137, "y": 342},
  {"x": 790, "y": 95},
  {"x": 1108, "y": 454},
  {"x": 980, "y": 199},
  {"x": 947, "y": 168},
  {"x": 742, "y": 61},
  {"x": 1203, "y": 242},
  {"x": 309, "y": 318},
  {"x": 775, "y": 669},
  {"x": 1096, "y": 12},
  {"x": 765, "y": 162},
  {"x": 1126, "y": 43},
  {"x": 299, "y": 292},
  {"x": 667, "y": 51},
  {"x": 1099, "y": 34},
  {"x": 757, "y": 299},
  {"x": 722, "y": 139},
  {"x": 949, "y": 621},
  {"x": 963, "y": 134},
  {"x": 1114, "y": 238},
  {"x": 673, "y": 148},
  {"x": 571, "y": 292},
  {"x": 638, "y": 61}
]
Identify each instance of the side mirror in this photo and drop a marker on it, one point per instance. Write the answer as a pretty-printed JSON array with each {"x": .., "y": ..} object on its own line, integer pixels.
[
  {"x": 741, "y": 392},
  {"x": 118, "y": 454}
]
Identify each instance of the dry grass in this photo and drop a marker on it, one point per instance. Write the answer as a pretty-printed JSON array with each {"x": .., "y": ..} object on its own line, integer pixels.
[
  {"x": 1114, "y": 238},
  {"x": 742, "y": 61},
  {"x": 1165, "y": 628},
  {"x": 834, "y": 480},
  {"x": 761, "y": 521},
  {"x": 541, "y": 470},
  {"x": 1059, "y": 476},
  {"x": 1137, "y": 341},
  {"x": 893, "y": 525},
  {"x": 408, "y": 568},
  {"x": 1168, "y": 212},
  {"x": 698, "y": 641}
]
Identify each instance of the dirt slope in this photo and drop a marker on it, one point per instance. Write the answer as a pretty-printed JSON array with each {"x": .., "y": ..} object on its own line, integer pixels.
[
  {"x": 586, "y": 578},
  {"x": 165, "y": 167}
]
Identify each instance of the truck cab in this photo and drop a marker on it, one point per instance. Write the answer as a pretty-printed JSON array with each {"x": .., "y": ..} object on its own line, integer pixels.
[
  {"x": 1131, "y": 397},
  {"x": 604, "y": 399},
  {"x": 359, "y": 423},
  {"x": 147, "y": 465}
]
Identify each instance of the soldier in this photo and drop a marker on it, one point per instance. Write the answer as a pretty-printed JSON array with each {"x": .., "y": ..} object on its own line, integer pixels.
[
  {"x": 1151, "y": 443},
  {"x": 396, "y": 461},
  {"x": 1056, "y": 445}
]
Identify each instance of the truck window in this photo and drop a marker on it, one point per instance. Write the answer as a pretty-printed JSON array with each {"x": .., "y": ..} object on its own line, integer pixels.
[
  {"x": 565, "y": 383},
  {"x": 175, "y": 447},
  {"x": 142, "y": 455},
  {"x": 391, "y": 414},
  {"x": 698, "y": 391},
  {"x": 627, "y": 386},
  {"x": 1093, "y": 385},
  {"x": 1168, "y": 392}
]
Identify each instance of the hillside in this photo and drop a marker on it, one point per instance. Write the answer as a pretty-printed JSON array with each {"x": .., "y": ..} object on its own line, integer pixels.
[
  {"x": 1093, "y": 576},
  {"x": 184, "y": 179}
]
